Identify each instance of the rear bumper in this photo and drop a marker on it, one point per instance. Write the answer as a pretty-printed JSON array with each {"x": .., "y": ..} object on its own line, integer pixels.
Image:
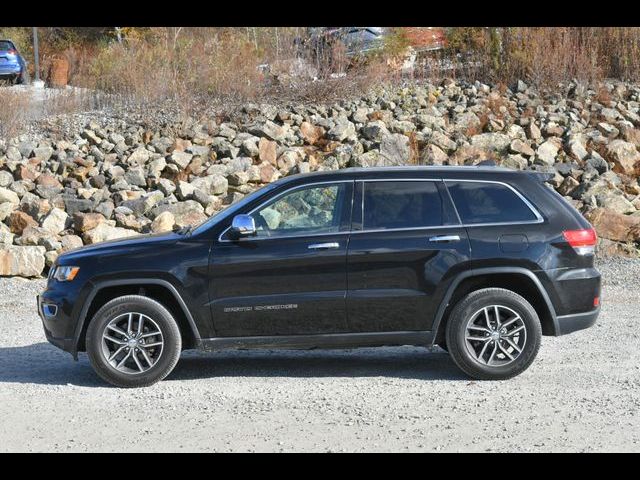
[
  {"x": 573, "y": 294},
  {"x": 576, "y": 321},
  {"x": 10, "y": 70}
]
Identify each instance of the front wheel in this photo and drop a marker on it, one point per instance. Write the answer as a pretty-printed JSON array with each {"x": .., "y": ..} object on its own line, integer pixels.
[
  {"x": 493, "y": 334},
  {"x": 133, "y": 341}
]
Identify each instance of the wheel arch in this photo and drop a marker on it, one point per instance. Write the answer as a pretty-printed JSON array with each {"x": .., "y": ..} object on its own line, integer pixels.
[
  {"x": 519, "y": 280},
  {"x": 160, "y": 290}
]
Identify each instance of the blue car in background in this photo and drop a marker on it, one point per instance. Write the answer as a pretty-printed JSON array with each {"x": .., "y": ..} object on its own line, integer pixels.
[{"x": 13, "y": 67}]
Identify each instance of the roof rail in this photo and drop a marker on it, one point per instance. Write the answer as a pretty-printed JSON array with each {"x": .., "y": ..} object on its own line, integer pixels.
[
  {"x": 541, "y": 176},
  {"x": 486, "y": 163}
]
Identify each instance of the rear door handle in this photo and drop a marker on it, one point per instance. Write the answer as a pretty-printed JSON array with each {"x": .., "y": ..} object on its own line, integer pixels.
[
  {"x": 445, "y": 238},
  {"x": 323, "y": 246}
]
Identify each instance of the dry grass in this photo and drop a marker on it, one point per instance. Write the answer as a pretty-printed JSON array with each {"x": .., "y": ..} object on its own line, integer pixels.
[
  {"x": 199, "y": 67},
  {"x": 13, "y": 108},
  {"x": 546, "y": 56},
  {"x": 201, "y": 70}
]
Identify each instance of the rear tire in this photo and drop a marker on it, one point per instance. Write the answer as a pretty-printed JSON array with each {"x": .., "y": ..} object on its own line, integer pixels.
[
  {"x": 23, "y": 78},
  {"x": 493, "y": 334},
  {"x": 140, "y": 329}
]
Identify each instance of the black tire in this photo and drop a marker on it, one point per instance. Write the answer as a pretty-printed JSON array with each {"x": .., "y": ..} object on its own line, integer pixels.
[
  {"x": 165, "y": 322},
  {"x": 24, "y": 78},
  {"x": 459, "y": 348}
]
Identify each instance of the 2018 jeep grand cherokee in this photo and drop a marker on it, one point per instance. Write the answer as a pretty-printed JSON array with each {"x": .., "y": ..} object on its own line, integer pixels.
[{"x": 481, "y": 261}]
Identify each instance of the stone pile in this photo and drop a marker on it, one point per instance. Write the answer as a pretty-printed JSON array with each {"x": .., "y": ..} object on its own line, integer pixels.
[{"x": 114, "y": 178}]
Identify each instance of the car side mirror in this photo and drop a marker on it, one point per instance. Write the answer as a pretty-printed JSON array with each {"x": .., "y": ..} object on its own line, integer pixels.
[{"x": 243, "y": 226}]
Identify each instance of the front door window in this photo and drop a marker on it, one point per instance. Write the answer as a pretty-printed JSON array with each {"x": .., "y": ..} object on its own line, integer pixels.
[{"x": 309, "y": 210}]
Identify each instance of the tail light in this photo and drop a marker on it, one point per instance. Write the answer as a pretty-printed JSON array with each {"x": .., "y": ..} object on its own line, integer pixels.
[
  {"x": 583, "y": 241},
  {"x": 12, "y": 51}
]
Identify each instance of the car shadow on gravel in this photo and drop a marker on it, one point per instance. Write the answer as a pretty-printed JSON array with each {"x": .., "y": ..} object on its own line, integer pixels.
[
  {"x": 44, "y": 364},
  {"x": 396, "y": 362}
]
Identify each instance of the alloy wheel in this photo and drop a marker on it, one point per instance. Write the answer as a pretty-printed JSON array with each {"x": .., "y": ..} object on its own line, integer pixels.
[
  {"x": 132, "y": 343},
  {"x": 495, "y": 335}
]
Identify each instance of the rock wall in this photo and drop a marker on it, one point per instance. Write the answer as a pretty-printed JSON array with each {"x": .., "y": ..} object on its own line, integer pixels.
[{"x": 109, "y": 177}]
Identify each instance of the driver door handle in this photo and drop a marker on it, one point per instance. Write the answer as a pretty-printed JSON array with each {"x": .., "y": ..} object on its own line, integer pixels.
[
  {"x": 445, "y": 238},
  {"x": 323, "y": 246}
]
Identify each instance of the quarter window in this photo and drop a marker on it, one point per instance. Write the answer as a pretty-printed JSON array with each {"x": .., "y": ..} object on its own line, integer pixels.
[
  {"x": 311, "y": 210},
  {"x": 390, "y": 205},
  {"x": 483, "y": 202}
]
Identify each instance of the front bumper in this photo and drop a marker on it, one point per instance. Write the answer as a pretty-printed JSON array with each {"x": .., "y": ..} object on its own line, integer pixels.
[{"x": 55, "y": 324}]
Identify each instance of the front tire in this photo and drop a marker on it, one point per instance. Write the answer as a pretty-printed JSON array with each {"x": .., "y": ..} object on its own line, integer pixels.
[
  {"x": 493, "y": 334},
  {"x": 133, "y": 341}
]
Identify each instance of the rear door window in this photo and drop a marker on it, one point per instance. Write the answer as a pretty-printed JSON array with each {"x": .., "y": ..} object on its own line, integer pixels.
[
  {"x": 485, "y": 202},
  {"x": 394, "y": 204}
]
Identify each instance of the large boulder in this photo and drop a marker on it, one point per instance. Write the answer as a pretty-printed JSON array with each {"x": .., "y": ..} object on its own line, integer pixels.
[
  {"x": 18, "y": 221},
  {"x": 184, "y": 213},
  {"x": 624, "y": 155},
  {"x": 342, "y": 130},
  {"x": 83, "y": 222},
  {"x": 267, "y": 150},
  {"x": 55, "y": 221},
  {"x": 374, "y": 131},
  {"x": 36, "y": 236},
  {"x": 181, "y": 159},
  {"x": 163, "y": 222},
  {"x": 271, "y": 130},
  {"x": 395, "y": 149},
  {"x": 71, "y": 242},
  {"x": 6, "y": 237},
  {"x": 6, "y": 178},
  {"x": 493, "y": 142},
  {"x": 104, "y": 232},
  {"x": 614, "y": 226},
  {"x": 27, "y": 261},
  {"x": 211, "y": 184},
  {"x": 311, "y": 133},
  {"x": 9, "y": 196},
  {"x": 547, "y": 152}
]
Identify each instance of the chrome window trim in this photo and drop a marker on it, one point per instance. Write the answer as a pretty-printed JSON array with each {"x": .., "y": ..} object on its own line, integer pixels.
[
  {"x": 276, "y": 197},
  {"x": 539, "y": 217}
]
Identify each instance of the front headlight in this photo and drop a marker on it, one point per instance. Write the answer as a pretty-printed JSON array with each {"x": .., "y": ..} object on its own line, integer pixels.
[{"x": 65, "y": 274}]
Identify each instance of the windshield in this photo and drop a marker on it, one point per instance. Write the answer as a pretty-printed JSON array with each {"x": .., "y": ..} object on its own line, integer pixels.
[{"x": 233, "y": 208}]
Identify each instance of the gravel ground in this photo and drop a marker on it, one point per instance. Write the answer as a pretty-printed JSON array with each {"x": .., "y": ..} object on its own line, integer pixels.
[{"x": 581, "y": 394}]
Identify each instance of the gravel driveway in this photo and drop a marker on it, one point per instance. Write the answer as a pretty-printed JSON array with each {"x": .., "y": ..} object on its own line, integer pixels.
[{"x": 581, "y": 394}]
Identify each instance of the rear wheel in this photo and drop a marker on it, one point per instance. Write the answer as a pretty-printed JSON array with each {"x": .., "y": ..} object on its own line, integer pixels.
[
  {"x": 133, "y": 341},
  {"x": 493, "y": 334},
  {"x": 23, "y": 78}
]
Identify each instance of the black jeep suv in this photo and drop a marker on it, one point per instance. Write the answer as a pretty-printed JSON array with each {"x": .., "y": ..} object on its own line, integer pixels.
[{"x": 481, "y": 261}]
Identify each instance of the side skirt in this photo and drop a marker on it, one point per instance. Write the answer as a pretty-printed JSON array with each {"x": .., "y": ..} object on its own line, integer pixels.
[{"x": 328, "y": 341}]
